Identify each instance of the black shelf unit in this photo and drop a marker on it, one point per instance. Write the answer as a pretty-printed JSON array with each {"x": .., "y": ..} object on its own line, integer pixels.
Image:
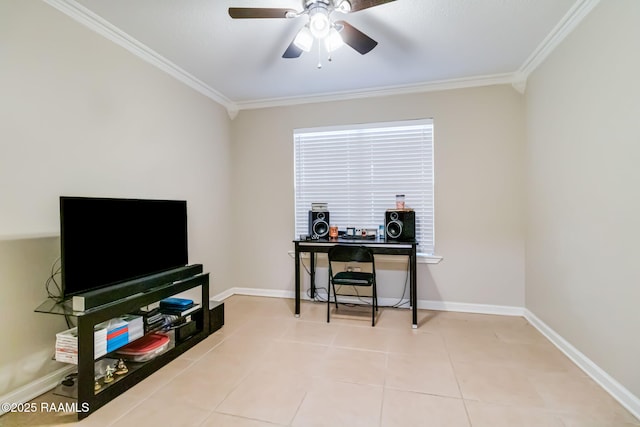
[{"x": 88, "y": 319}]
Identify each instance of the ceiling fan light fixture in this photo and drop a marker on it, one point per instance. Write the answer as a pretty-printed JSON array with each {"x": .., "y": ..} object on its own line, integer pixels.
[
  {"x": 333, "y": 40},
  {"x": 319, "y": 22},
  {"x": 304, "y": 39}
]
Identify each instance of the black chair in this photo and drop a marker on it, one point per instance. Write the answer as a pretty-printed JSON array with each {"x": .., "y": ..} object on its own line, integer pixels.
[{"x": 361, "y": 256}]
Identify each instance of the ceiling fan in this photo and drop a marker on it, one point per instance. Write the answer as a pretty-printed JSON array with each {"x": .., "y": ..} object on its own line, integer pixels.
[{"x": 320, "y": 25}]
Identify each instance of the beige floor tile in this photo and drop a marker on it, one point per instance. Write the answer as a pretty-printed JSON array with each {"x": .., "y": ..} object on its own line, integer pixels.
[
  {"x": 576, "y": 395},
  {"x": 416, "y": 373},
  {"x": 266, "y": 396},
  {"x": 363, "y": 338},
  {"x": 516, "y": 332},
  {"x": 290, "y": 357},
  {"x": 540, "y": 358},
  {"x": 402, "y": 409},
  {"x": 224, "y": 420},
  {"x": 411, "y": 341},
  {"x": 311, "y": 332},
  {"x": 400, "y": 319},
  {"x": 350, "y": 365},
  {"x": 205, "y": 346},
  {"x": 311, "y": 311},
  {"x": 334, "y": 404},
  {"x": 157, "y": 412},
  {"x": 593, "y": 420},
  {"x": 487, "y": 349},
  {"x": 206, "y": 383},
  {"x": 355, "y": 315},
  {"x": 496, "y": 384},
  {"x": 493, "y": 415},
  {"x": 158, "y": 379},
  {"x": 241, "y": 347},
  {"x": 267, "y": 327}
]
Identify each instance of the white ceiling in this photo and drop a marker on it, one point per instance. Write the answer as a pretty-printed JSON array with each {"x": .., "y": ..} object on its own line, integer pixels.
[{"x": 422, "y": 43}]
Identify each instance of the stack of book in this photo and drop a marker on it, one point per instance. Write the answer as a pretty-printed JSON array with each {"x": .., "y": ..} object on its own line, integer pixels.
[
  {"x": 67, "y": 344},
  {"x": 136, "y": 326},
  {"x": 153, "y": 319},
  {"x": 117, "y": 334}
]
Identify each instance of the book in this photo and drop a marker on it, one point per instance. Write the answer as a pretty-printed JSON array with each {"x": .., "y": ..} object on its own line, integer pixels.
[
  {"x": 180, "y": 312},
  {"x": 176, "y": 303}
]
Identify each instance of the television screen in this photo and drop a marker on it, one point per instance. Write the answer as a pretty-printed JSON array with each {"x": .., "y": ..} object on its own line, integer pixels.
[{"x": 105, "y": 241}]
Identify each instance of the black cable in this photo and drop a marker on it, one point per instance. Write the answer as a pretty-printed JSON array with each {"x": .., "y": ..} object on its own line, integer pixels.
[
  {"x": 400, "y": 303},
  {"x": 56, "y": 294}
]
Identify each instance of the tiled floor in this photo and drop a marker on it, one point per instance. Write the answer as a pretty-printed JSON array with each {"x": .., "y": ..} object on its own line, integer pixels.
[{"x": 267, "y": 368}]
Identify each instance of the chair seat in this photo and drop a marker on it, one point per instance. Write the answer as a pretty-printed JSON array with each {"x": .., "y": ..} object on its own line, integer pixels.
[{"x": 353, "y": 278}]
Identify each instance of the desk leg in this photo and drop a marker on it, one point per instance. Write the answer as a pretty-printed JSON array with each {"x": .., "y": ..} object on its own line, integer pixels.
[
  {"x": 297, "y": 281},
  {"x": 312, "y": 273},
  {"x": 414, "y": 292}
]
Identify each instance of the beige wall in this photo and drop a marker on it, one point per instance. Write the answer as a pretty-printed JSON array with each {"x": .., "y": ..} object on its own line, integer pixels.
[
  {"x": 82, "y": 116},
  {"x": 583, "y": 158},
  {"x": 479, "y": 159}
]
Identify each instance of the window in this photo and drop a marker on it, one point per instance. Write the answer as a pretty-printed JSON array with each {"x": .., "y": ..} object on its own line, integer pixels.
[{"x": 359, "y": 169}]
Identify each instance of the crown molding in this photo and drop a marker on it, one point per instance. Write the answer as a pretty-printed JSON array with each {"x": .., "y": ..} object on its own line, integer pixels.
[
  {"x": 496, "y": 79},
  {"x": 567, "y": 24},
  {"x": 517, "y": 79},
  {"x": 96, "y": 23}
]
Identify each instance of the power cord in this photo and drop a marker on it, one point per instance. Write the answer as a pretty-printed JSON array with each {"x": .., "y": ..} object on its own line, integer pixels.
[
  {"x": 69, "y": 380},
  {"x": 400, "y": 304},
  {"x": 54, "y": 289},
  {"x": 56, "y": 294}
]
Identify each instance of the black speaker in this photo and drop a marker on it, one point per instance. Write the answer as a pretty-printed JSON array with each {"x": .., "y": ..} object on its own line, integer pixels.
[
  {"x": 400, "y": 226},
  {"x": 319, "y": 224}
]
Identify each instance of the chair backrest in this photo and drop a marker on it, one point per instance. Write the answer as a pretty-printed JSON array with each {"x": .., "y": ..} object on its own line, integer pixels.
[{"x": 350, "y": 253}]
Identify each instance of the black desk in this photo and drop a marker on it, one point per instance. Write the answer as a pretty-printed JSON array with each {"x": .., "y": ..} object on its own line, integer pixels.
[{"x": 378, "y": 246}]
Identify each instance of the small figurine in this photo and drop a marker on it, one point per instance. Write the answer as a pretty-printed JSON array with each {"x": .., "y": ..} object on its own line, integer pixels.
[
  {"x": 121, "y": 368},
  {"x": 97, "y": 386},
  {"x": 108, "y": 374}
]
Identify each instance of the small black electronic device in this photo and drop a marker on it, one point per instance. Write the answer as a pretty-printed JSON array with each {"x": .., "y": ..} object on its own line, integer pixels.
[
  {"x": 185, "y": 331},
  {"x": 319, "y": 224},
  {"x": 400, "y": 225}
]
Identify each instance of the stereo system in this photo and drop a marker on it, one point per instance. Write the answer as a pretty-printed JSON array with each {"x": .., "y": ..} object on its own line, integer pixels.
[
  {"x": 400, "y": 225},
  {"x": 318, "y": 224}
]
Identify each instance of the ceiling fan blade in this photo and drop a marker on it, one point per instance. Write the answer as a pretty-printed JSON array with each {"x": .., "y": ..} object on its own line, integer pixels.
[
  {"x": 357, "y": 5},
  {"x": 292, "y": 51},
  {"x": 258, "y": 12},
  {"x": 356, "y": 38}
]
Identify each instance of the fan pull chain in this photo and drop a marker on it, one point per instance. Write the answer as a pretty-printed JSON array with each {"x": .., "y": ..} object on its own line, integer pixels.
[{"x": 319, "y": 66}]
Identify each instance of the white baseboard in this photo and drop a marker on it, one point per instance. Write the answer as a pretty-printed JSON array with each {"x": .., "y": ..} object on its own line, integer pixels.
[
  {"x": 37, "y": 387},
  {"x": 422, "y": 304},
  {"x": 611, "y": 386}
]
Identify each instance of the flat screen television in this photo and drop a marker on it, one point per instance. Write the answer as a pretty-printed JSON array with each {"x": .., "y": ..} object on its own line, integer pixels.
[{"x": 105, "y": 241}]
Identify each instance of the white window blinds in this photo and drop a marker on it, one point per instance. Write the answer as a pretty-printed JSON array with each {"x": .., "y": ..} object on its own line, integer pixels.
[{"x": 359, "y": 169}]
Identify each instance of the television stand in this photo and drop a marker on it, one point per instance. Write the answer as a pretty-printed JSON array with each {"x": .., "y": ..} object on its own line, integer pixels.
[{"x": 89, "y": 399}]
